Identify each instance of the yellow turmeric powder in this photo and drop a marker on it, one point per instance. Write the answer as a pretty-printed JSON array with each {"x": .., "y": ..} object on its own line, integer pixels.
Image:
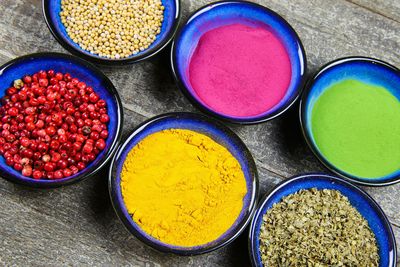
[{"x": 182, "y": 188}]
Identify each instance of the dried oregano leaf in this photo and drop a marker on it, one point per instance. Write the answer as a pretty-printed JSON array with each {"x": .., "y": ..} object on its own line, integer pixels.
[{"x": 316, "y": 228}]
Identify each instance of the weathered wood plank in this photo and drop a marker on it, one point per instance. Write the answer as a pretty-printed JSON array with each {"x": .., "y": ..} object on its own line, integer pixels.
[
  {"x": 77, "y": 226},
  {"x": 387, "y": 8}
]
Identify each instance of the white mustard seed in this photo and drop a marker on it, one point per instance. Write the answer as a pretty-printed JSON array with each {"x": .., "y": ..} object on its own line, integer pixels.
[{"x": 112, "y": 28}]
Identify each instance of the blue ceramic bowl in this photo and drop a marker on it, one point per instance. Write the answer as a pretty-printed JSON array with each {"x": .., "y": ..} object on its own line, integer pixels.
[
  {"x": 359, "y": 199},
  {"x": 229, "y": 12},
  {"x": 217, "y": 132},
  {"x": 51, "y": 11},
  {"x": 368, "y": 70},
  {"x": 78, "y": 68}
]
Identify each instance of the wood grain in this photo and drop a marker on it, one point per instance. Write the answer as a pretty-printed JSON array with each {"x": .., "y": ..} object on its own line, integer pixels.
[{"x": 76, "y": 225}]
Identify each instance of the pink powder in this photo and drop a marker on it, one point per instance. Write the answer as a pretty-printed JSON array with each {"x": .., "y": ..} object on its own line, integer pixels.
[{"x": 240, "y": 71}]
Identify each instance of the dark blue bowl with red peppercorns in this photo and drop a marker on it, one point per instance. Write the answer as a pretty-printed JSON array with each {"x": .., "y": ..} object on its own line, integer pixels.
[{"x": 60, "y": 120}]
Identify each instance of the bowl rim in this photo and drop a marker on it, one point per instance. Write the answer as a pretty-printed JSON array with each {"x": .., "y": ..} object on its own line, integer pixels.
[
  {"x": 308, "y": 138},
  {"x": 40, "y": 184},
  {"x": 280, "y": 185},
  {"x": 174, "y": 250},
  {"x": 147, "y": 53},
  {"x": 208, "y": 111}
]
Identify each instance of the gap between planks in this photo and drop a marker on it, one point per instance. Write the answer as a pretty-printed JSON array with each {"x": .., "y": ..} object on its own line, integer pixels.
[{"x": 372, "y": 11}]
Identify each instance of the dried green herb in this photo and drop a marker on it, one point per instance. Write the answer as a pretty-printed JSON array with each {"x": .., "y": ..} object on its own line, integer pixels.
[{"x": 316, "y": 228}]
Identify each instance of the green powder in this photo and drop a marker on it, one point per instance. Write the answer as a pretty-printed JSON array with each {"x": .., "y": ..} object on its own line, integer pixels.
[{"x": 356, "y": 127}]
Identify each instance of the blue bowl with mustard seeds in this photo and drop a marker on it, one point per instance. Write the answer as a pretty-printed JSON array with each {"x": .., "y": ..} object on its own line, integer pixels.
[
  {"x": 359, "y": 199},
  {"x": 84, "y": 71},
  {"x": 51, "y": 12},
  {"x": 203, "y": 125}
]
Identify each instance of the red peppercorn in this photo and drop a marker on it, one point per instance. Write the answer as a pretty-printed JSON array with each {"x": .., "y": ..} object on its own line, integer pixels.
[
  {"x": 93, "y": 97},
  {"x": 42, "y": 74},
  {"x": 73, "y": 128},
  {"x": 30, "y": 126},
  {"x": 87, "y": 148},
  {"x": 100, "y": 144},
  {"x": 101, "y": 103},
  {"x": 74, "y": 169},
  {"x": 62, "y": 138},
  {"x": 39, "y": 124},
  {"x": 9, "y": 161},
  {"x": 37, "y": 174},
  {"x": 96, "y": 128},
  {"x": 58, "y": 174},
  {"x": 94, "y": 136},
  {"x": 59, "y": 76},
  {"x": 50, "y": 121},
  {"x": 49, "y": 166},
  {"x": 77, "y": 146},
  {"x": 67, "y": 172},
  {"x": 55, "y": 157},
  {"x": 24, "y": 141},
  {"x": 27, "y": 79},
  {"x": 27, "y": 171},
  {"x": 13, "y": 112},
  {"x": 27, "y": 153},
  {"x": 36, "y": 155},
  {"x": 81, "y": 86},
  {"x": 65, "y": 147},
  {"x": 43, "y": 82},
  {"x": 81, "y": 165},
  {"x": 46, "y": 158},
  {"x": 38, "y": 165},
  {"x": 54, "y": 144},
  {"x": 62, "y": 164},
  {"x": 51, "y": 130},
  {"x": 86, "y": 130},
  {"x": 18, "y": 166},
  {"x": 50, "y": 73},
  {"x": 104, "y": 118}
]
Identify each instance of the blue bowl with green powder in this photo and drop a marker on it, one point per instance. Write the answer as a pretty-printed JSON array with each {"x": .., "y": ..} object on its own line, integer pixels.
[
  {"x": 51, "y": 12},
  {"x": 199, "y": 124},
  {"x": 350, "y": 116},
  {"x": 358, "y": 198}
]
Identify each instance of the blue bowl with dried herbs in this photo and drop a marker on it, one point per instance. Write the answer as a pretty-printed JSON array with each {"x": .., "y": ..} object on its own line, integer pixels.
[{"x": 320, "y": 219}]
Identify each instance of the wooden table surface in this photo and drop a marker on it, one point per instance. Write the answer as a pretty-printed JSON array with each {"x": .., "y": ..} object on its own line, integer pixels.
[{"x": 76, "y": 225}]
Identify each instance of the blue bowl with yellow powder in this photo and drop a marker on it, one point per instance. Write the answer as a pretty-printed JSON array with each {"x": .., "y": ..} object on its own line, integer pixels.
[
  {"x": 51, "y": 12},
  {"x": 358, "y": 198},
  {"x": 219, "y": 134},
  {"x": 84, "y": 71},
  {"x": 350, "y": 117}
]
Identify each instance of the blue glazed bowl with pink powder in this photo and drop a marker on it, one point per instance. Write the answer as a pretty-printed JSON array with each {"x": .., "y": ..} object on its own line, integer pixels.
[{"x": 239, "y": 61}]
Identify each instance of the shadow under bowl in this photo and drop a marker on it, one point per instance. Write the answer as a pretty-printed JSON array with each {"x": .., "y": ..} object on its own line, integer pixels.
[
  {"x": 359, "y": 199},
  {"x": 51, "y": 12},
  {"x": 225, "y": 13},
  {"x": 84, "y": 71},
  {"x": 218, "y": 133},
  {"x": 364, "y": 69}
]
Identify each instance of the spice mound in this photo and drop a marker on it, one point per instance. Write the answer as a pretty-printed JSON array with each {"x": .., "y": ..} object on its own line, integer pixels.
[
  {"x": 239, "y": 70},
  {"x": 112, "y": 28},
  {"x": 356, "y": 127},
  {"x": 316, "y": 228},
  {"x": 52, "y": 125},
  {"x": 182, "y": 188}
]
